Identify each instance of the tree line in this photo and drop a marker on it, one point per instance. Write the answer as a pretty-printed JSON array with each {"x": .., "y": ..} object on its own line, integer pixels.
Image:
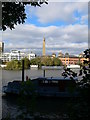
[{"x": 40, "y": 61}]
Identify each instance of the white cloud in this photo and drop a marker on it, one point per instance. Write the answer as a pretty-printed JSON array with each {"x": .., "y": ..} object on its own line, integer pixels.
[
  {"x": 84, "y": 19},
  {"x": 61, "y": 11},
  {"x": 71, "y": 38}
]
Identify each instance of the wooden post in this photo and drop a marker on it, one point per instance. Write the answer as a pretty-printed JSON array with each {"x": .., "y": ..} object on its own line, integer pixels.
[
  {"x": 43, "y": 73},
  {"x": 22, "y": 70}
]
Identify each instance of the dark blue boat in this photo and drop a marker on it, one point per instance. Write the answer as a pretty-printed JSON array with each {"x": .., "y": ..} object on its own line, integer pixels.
[{"x": 50, "y": 87}]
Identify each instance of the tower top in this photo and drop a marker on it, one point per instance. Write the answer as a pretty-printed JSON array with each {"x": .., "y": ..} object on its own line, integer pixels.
[{"x": 44, "y": 39}]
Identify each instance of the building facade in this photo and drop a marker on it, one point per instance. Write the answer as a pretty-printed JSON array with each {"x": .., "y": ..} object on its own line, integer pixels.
[
  {"x": 16, "y": 55},
  {"x": 5, "y": 57},
  {"x": 31, "y": 56},
  {"x": 71, "y": 60}
]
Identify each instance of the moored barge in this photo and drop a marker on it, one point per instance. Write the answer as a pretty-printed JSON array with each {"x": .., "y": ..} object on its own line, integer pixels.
[{"x": 46, "y": 87}]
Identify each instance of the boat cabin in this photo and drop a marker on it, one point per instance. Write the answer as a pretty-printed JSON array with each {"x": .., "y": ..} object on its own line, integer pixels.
[{"x": 54, "y": 85}]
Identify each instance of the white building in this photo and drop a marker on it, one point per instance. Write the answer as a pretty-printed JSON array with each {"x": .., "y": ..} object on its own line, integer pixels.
[
  {"x": 13, "y": 55},
  {"x": 31, "y": 56},
  {"x": 5, "y": 57},
  {"x": 16, "y": 55}
]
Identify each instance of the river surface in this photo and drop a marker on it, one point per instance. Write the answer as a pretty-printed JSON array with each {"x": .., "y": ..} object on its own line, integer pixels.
[
  {"x": 9, "y": 106},
  {"x": 8, "y": 76}
]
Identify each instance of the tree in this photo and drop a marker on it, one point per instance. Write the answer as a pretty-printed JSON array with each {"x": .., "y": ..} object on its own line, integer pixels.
[
  {"x": 84, "y": 84},
  {"x": 17, "y": 65},
  {"x": 57, "y": 62},
  {"x": 47, "y": 61},
  {"x": 81, "y": 108},
  {"x": 36, "y": 61},
  {"x": 13, "y": 13},
  {"x": 26, "y": 63},
  {"x": 13, "y": 65},
  {"x": 79, "y": 62}
]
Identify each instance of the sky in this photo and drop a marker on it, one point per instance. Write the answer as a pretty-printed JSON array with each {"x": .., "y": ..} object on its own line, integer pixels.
[{"x": 63, "y": 24}]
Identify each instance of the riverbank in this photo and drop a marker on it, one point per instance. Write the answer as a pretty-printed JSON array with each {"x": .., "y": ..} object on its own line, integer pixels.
[
  {"x": 45, "y": 109},
  {"x": 38, "y": 116}
]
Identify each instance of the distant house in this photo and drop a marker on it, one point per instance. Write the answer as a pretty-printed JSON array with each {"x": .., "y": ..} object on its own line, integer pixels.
[
  {"x": 31, "y": 56},
  {"x": 60, "y": 54},
  {"x": 53, "y": 55}
]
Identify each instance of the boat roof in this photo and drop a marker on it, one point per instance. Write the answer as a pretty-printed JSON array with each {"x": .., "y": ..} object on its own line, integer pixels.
[{"x": 55, "y": 78}]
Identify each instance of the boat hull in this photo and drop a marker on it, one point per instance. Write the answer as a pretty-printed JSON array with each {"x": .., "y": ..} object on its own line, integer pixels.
[{"x": 43, "y": 87}]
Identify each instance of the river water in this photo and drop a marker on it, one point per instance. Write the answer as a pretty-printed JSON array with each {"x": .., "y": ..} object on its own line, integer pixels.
[
  {"x": 8, "y": 105},
  {"x": 8, "y": 76}
]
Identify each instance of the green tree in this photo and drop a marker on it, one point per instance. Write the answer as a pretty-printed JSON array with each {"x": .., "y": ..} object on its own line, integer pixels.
[
  {"x": 57, "y": 62},
  {"x": 85, "y": 72},
  {"x": 81, "y": 108},
  {"x": 13, "y": 65},
  {"x": 26, "y": 63},
  {"x": 17, "y": 65},
  {"x": 47, "y": 61},
  {"x": 79, "y": 63},
  {"x": 13, "y": 13},
  {"x": 33, "y": 61},
  {"x": 36, "y": 61}
]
